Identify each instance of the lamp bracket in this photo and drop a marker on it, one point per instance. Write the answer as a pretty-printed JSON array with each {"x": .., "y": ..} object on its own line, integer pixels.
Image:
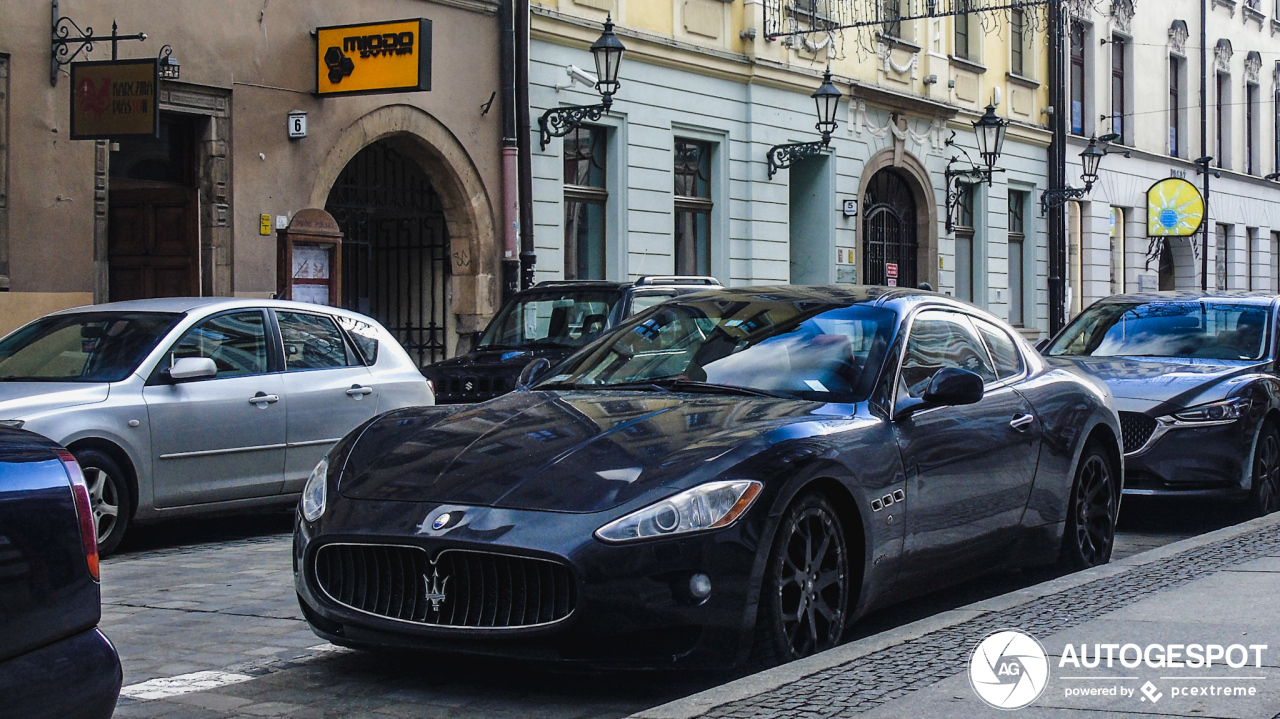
[
  {"x": 960, "y": 178},
  {"x": 1058, "y": 196},
  {"x": 68, "y": 40},
  {"x": 560, "y": 121},
  {"x": 783, "y": 156}
]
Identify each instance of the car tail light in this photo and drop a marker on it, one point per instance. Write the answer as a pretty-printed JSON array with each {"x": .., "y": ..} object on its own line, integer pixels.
[
  {"x": 84, "y": 510},
  {"x": 431, "y": 386}
]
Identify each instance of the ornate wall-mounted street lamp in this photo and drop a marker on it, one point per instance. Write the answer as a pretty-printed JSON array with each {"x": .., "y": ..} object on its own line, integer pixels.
[
  {"x": 608, "y": 52},
  {"x": 169, "y": 67},
  {"x": 991, "y": 131},
  {"x": 1090, "y": 162},
  {"x": 827, "y": 98}
]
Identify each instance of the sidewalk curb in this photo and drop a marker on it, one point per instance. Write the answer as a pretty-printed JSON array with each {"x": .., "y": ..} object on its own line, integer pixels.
[{"x": 699, "y": 704}]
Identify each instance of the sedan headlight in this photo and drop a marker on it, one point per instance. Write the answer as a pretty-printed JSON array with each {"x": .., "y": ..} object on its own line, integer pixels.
[
  {"x": 1227, "y": 410},
  {"x": 708, "y": 506},
  {"x": 316, "y": 491}
]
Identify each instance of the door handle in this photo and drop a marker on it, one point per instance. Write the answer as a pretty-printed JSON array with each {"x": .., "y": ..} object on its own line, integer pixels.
[
  {"x": 357, "y": 391},
  {"x": 262, "y": 398},
  {"x": 1022, "y": 422}
]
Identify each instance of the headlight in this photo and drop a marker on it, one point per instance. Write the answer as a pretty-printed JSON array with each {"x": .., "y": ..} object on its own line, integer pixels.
[
  {"x": 15, "y": 423},
  {"x": 708, "y": 506},
  {"x": 316, "y": 491},
  {"x": 1225, "y": 411}
]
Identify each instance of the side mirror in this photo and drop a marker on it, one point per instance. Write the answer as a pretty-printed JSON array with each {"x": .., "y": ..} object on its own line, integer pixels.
[
  {"x": 189, "y": 368},
  {"x": 532, "y": 372},
  {"x": 952, "y": 387}
]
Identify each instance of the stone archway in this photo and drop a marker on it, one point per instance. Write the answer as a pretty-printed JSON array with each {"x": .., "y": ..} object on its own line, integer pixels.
[
  {"x": 917, "y": 180},
  {"x": 464, "y": 201}
]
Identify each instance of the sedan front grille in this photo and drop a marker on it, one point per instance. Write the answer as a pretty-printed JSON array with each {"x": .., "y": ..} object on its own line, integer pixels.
[
  {"x": 1137, "y": 429},
  {"x": 463, "y": 588}
]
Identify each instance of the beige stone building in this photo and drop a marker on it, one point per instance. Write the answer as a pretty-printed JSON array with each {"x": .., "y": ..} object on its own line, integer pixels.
[{"x": 413, "y": 178}]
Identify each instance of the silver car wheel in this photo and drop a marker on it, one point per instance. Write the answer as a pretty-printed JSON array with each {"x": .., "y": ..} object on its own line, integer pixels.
[{"x": 103, "y": 500}]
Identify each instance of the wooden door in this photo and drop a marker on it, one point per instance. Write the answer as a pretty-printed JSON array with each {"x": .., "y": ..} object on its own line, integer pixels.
[{"x": 153, "y": 243}]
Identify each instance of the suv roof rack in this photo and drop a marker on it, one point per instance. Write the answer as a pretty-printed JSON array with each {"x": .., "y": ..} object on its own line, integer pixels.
[
  {"x": 575, "y": 283},
  {"x": 646, "y": 280}
]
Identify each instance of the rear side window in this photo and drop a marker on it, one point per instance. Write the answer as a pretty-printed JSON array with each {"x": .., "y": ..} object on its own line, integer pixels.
[
  {"x": 311, "y": 342},
  {"x": 364, "y": 336},
  {"x": 1004, "y": 350}
]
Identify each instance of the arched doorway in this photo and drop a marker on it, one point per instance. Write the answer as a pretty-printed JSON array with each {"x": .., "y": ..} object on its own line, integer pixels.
[
  {"x": 890, "y": 231},
  {"x": 395, "y": 248}
]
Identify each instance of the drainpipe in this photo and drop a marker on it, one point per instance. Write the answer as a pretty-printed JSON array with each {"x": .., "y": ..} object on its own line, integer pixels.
[
  {"x": 510, "y": 155},
  {"x": 1057, "y": 167},
  {"x": 1204, "y": 139},
  {"x": 528, "y": 258}
]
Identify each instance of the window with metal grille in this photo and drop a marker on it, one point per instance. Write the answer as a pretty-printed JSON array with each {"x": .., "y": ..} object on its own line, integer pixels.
[
  {"x": 586, "y": 197},
  {"x": 693, "y": 206},
  {"x": 1017, "y": 256},
  {"x": 964, "y": 245}
]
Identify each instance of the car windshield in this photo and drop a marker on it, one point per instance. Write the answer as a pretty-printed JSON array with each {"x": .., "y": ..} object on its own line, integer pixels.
[
  {"x": 807, "y": 350},
  {"x": 1181, "y": 329},
  {"x": 82, "y": 347},
  {"x": 565, "y": 318}
]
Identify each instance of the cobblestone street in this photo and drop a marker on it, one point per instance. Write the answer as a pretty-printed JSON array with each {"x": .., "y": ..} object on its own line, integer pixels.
[{"x": 213, "y": 601}]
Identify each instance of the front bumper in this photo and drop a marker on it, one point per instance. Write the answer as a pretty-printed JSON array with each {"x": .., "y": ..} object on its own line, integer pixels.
[
  {"x": 1190, "y": 460},
  {"x": 633, "y": 606}
]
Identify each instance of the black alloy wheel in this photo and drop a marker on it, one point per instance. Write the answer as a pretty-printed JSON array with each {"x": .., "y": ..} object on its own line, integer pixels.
[
  {"x": 1091, "y": 517},
  {"x": 805, "y": 596},
  {"x": 109, "y": 497},
  {"x": 1264, "y": 498}
]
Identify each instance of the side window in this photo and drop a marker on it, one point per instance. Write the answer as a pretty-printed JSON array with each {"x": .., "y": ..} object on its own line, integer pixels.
[
  {"x": 942, "y": 339},
  {"x": 236, "y": 342},
  {"x": 1004, "y": 350},
  {"x": 364, "y": 336},
  {"x": 640, "y": 303},
  {"x": 311, "y": 342}
]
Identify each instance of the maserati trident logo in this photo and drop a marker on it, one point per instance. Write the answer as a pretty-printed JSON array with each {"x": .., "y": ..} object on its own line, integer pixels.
[
  {"x": 435, "y": 588},
  {"x": 440, "y": 521}
]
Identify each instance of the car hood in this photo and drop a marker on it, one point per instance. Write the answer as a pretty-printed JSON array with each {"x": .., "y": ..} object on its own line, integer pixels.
[
  {"x": 19, "y": 400},
  {"x": 553, "y": 451},
  {"x": 1160, "y": 380}
]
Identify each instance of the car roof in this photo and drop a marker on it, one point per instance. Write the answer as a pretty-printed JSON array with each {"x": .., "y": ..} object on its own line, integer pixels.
[
  {"x": 1234, "y": 296},
  {"x": 207, "y": 305},
  {"x": 900, "y": 297}
]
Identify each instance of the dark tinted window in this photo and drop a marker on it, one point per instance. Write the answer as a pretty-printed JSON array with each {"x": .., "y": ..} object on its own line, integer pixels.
[
  {"x": 311, "y": 342},
  {"x": 942, "y": 339},
  {"x": 83, "y": 347},
  {"x": 1004, "y": 349},
  {"x": 236, "y": 342},
  {"x": 1206, "y": 330},
  {"x": 565, "y": 318}
]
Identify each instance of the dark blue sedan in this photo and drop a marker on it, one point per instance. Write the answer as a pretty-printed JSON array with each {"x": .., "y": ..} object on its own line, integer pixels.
[{"x": 54, "y": 662}]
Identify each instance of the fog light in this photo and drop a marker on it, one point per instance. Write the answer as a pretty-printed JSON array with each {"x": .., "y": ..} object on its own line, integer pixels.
[{"x": 700, "y": 586}]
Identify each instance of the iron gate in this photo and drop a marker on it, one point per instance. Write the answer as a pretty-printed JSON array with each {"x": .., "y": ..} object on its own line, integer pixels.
[
  {"x": 395, "y": 248},
  {"x": 889, "y": 230}
]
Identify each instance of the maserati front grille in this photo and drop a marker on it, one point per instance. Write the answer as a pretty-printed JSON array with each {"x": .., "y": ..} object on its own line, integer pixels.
[{"x": 462, "y": 588}]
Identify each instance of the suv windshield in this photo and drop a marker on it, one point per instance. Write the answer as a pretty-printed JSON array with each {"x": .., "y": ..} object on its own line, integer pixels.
[
  {"x": 82, "y": 347},
  {"x": 565, "y": 318},
  {"x": 1185, "y": 329},
  {"x": 802, "y": 349}
]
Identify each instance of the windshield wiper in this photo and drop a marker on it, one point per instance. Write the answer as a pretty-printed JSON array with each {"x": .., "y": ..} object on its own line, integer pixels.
[{"x": 690, "y": 385}]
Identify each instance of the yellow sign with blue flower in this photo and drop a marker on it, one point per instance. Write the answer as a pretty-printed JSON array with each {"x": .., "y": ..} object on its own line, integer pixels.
[{"x": 1175, "y": 208}]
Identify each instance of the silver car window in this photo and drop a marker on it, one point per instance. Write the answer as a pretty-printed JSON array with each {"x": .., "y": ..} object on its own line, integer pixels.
[
  {"x": 311, "y": 342},
  {"x": 236, "y": 342}
]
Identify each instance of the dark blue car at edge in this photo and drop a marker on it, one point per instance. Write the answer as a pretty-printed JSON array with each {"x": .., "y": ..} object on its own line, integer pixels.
[{"x": 54, "y": 661}]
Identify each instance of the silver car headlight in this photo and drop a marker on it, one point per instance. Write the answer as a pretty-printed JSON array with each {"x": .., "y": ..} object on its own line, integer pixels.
[
  {"x": 1228, "y": 410},
  {"x": 708, "y": 506},
  {"x": 316, "y": 492}
]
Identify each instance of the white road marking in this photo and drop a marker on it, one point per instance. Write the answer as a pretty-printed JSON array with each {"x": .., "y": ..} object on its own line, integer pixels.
[{"x": 167, "y": 687}]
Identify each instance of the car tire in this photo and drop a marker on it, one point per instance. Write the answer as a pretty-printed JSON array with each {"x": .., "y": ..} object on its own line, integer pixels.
[
  {"x": 108, "y": 496},
  {"x": 805, "y": 594},
  {"x": 1090, "y": 533},
  {"x": 1264, "y": 497}
]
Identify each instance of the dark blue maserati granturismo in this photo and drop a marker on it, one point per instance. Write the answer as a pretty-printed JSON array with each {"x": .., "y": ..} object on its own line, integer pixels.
[{"x": 733, "y": 475}]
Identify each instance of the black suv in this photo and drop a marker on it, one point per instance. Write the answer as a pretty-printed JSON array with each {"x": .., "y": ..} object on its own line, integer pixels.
[{"x": 550, "y": 320}]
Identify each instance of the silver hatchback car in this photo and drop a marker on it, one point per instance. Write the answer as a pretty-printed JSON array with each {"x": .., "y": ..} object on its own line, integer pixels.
[{"x": 185, "y": 406}]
